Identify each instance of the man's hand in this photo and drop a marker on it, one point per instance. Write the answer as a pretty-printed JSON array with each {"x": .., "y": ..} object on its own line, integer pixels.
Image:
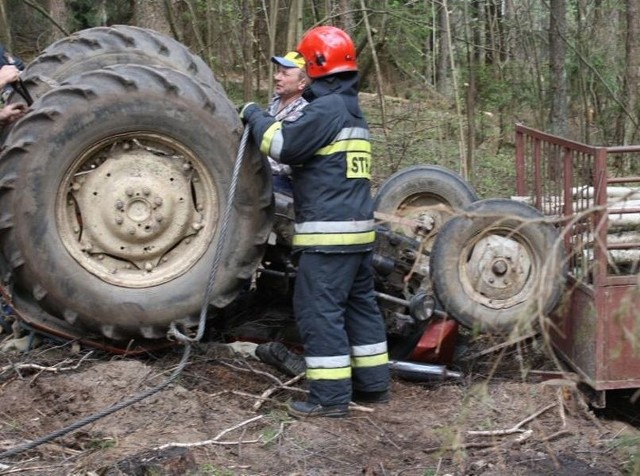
[
  {"x": 12, "y": 112},
  {"x": 8, "y": 74},
  {"x": 248, "y": 109}
]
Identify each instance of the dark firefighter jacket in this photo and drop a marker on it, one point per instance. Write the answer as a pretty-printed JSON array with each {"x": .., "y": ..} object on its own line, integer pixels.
[{"x": 329, "y": 151}]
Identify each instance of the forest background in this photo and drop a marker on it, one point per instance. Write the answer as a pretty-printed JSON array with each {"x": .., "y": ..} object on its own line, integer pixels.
[{"x": 443, "y": 81}]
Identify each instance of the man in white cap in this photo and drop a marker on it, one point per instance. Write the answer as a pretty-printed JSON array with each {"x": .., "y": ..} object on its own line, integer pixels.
[{"x": 285, "y": 105}]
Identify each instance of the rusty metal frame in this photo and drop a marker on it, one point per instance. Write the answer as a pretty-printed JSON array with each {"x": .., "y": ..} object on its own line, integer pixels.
[{"x": 597, "y": 327}]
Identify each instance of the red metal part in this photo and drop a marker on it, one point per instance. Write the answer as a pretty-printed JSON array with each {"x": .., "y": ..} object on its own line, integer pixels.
[
  {"x": 597, "y": 329},
  {"x": 437, "y": 343}
]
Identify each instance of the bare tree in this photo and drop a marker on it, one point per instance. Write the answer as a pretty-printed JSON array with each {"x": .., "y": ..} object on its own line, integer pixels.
[
  {"x": 628, "y": 119},
  {"x": 443, "y": 74},
  {"x": 58, "y": 12},
  {"x": 5, "y": 25},
  {"x": 295, "y": 24},
  {"x": 248, "y": 21},
  {"x": 558, "y": 77},
  {"x": 152, "y": 14}
]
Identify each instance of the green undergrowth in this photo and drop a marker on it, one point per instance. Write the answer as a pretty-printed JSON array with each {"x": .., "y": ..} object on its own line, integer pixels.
[{"x": 414, "y": 132}]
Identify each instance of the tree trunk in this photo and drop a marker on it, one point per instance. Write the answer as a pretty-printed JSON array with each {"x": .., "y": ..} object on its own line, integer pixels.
[
  {"x": 151, "y": 14},
  {"x": 474, "y": 56},
  {"x": 59, "y": 13},
  {"x": 443, "y": 63},
  {"x": 248, "y": 21},
  {"x": 632, "y": 50},
  {"x": 558, "y": 77},
  {"x": 294, "y": 27},
  {"x": 5, "y": 26}
]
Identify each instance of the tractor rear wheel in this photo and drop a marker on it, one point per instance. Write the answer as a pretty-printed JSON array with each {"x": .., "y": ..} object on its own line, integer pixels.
[
  {"x": 112, "y": 190},
  {"x": 99, "y": 47}
]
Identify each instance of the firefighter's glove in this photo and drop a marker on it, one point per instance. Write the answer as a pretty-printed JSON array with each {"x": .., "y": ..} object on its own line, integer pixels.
[{"x": 247, "y": 110}]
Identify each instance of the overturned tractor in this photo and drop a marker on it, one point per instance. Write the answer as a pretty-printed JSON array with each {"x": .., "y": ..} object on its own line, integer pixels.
[{"x": 113, "y": 187}]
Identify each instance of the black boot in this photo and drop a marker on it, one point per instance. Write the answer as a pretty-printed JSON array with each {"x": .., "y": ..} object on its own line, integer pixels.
[
  {"x": 277, "y": 354},
  {"x": 382, "y": 396},
  {"x": 305, "y": 410}
]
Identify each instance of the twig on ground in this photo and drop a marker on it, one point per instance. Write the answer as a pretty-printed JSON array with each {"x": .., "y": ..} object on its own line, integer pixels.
[
  {"x": 396, "y": 446},
  {"x": 42, "y": 368},
  {"x": 464, "y": 446},
  {"x": 514, "y": 429},
  {"x": 271, "y": 377},
  {"x": 4, "y": 469},
  {"x": 563, "y": 416},
  {"x": 360, "y": 408},
  {"x": 524, "y": 436},
  {"x": 215, "y": 440},
  {"x": 555, "y": 435},
  {"x": 270, "y": 391}
]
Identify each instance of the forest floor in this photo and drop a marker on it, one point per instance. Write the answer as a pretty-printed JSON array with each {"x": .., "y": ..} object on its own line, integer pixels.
[{"x": 512, "y": 415}]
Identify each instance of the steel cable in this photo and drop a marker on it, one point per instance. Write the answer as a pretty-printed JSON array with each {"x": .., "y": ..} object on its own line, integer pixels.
[{"x": 173, "y": 330}]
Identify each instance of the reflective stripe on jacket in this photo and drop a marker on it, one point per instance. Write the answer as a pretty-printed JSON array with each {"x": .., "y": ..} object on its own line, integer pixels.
[{"x": 329, "y": 150}]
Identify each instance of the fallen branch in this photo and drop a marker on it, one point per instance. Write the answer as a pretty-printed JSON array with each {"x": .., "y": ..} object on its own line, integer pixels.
[
  {"x": 384, "y": 433},
  {"x": 42, "y": 368},
  {"x": 270, "y": 391},
  {"x": 514, "y": 429},
  {"x": 555, "y": 435},
  {"x": 253, "y": 371},
  {"x": 561, "y": 407},
  {"x": 216, "y": 439}
]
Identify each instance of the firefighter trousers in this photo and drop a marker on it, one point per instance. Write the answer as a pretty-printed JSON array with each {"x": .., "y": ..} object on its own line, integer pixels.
[{"x": 340, "y": 325}]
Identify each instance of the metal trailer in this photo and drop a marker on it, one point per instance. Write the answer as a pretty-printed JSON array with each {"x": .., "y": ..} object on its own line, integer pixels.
[{"x": 596, "y": 201}]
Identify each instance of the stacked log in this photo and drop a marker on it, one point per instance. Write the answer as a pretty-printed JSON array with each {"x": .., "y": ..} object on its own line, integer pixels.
[{"x": 623, "y": 225}]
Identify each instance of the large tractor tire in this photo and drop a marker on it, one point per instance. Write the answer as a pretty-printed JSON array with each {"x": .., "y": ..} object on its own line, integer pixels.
[
  {"x": 96, "y": 48},
  {"x": 425, "y": 196},
  {"x": 499, "y": 267},
  {"x": 112, "y": 191}
]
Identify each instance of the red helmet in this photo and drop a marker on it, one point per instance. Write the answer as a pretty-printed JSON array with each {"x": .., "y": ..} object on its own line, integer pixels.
[{"x": 327, "y": 50}]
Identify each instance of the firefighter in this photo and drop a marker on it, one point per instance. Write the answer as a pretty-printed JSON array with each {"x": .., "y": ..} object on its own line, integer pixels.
[{"x": 329, "y": 150}]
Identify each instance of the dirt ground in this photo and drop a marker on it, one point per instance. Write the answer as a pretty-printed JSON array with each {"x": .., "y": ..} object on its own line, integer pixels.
[{"x": 503, "y": 417}]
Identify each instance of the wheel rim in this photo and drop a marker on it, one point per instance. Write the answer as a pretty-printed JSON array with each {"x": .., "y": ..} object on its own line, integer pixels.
[
  {"x": 498, "y": 270},
  {"x": 137, "y": 210},
  {"x": 427, "y": 211}
]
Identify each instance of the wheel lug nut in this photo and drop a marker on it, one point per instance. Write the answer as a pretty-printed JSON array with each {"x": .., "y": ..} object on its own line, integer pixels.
[
  {"x": 119, "y": 220},
  {"x": 146, "y": 190},
  {"x": 148, "y": 266},
  {"x": 157, "y": 201},
  {"x": 131, "y": 231},
  {"x": 499, "y": 267},
  {"x": 129, "y": 192},
  {"x": 119, "y": 204}
]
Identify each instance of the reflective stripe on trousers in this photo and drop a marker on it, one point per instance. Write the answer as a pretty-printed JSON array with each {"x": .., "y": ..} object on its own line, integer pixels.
[{"x": 340, "y": 325}]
